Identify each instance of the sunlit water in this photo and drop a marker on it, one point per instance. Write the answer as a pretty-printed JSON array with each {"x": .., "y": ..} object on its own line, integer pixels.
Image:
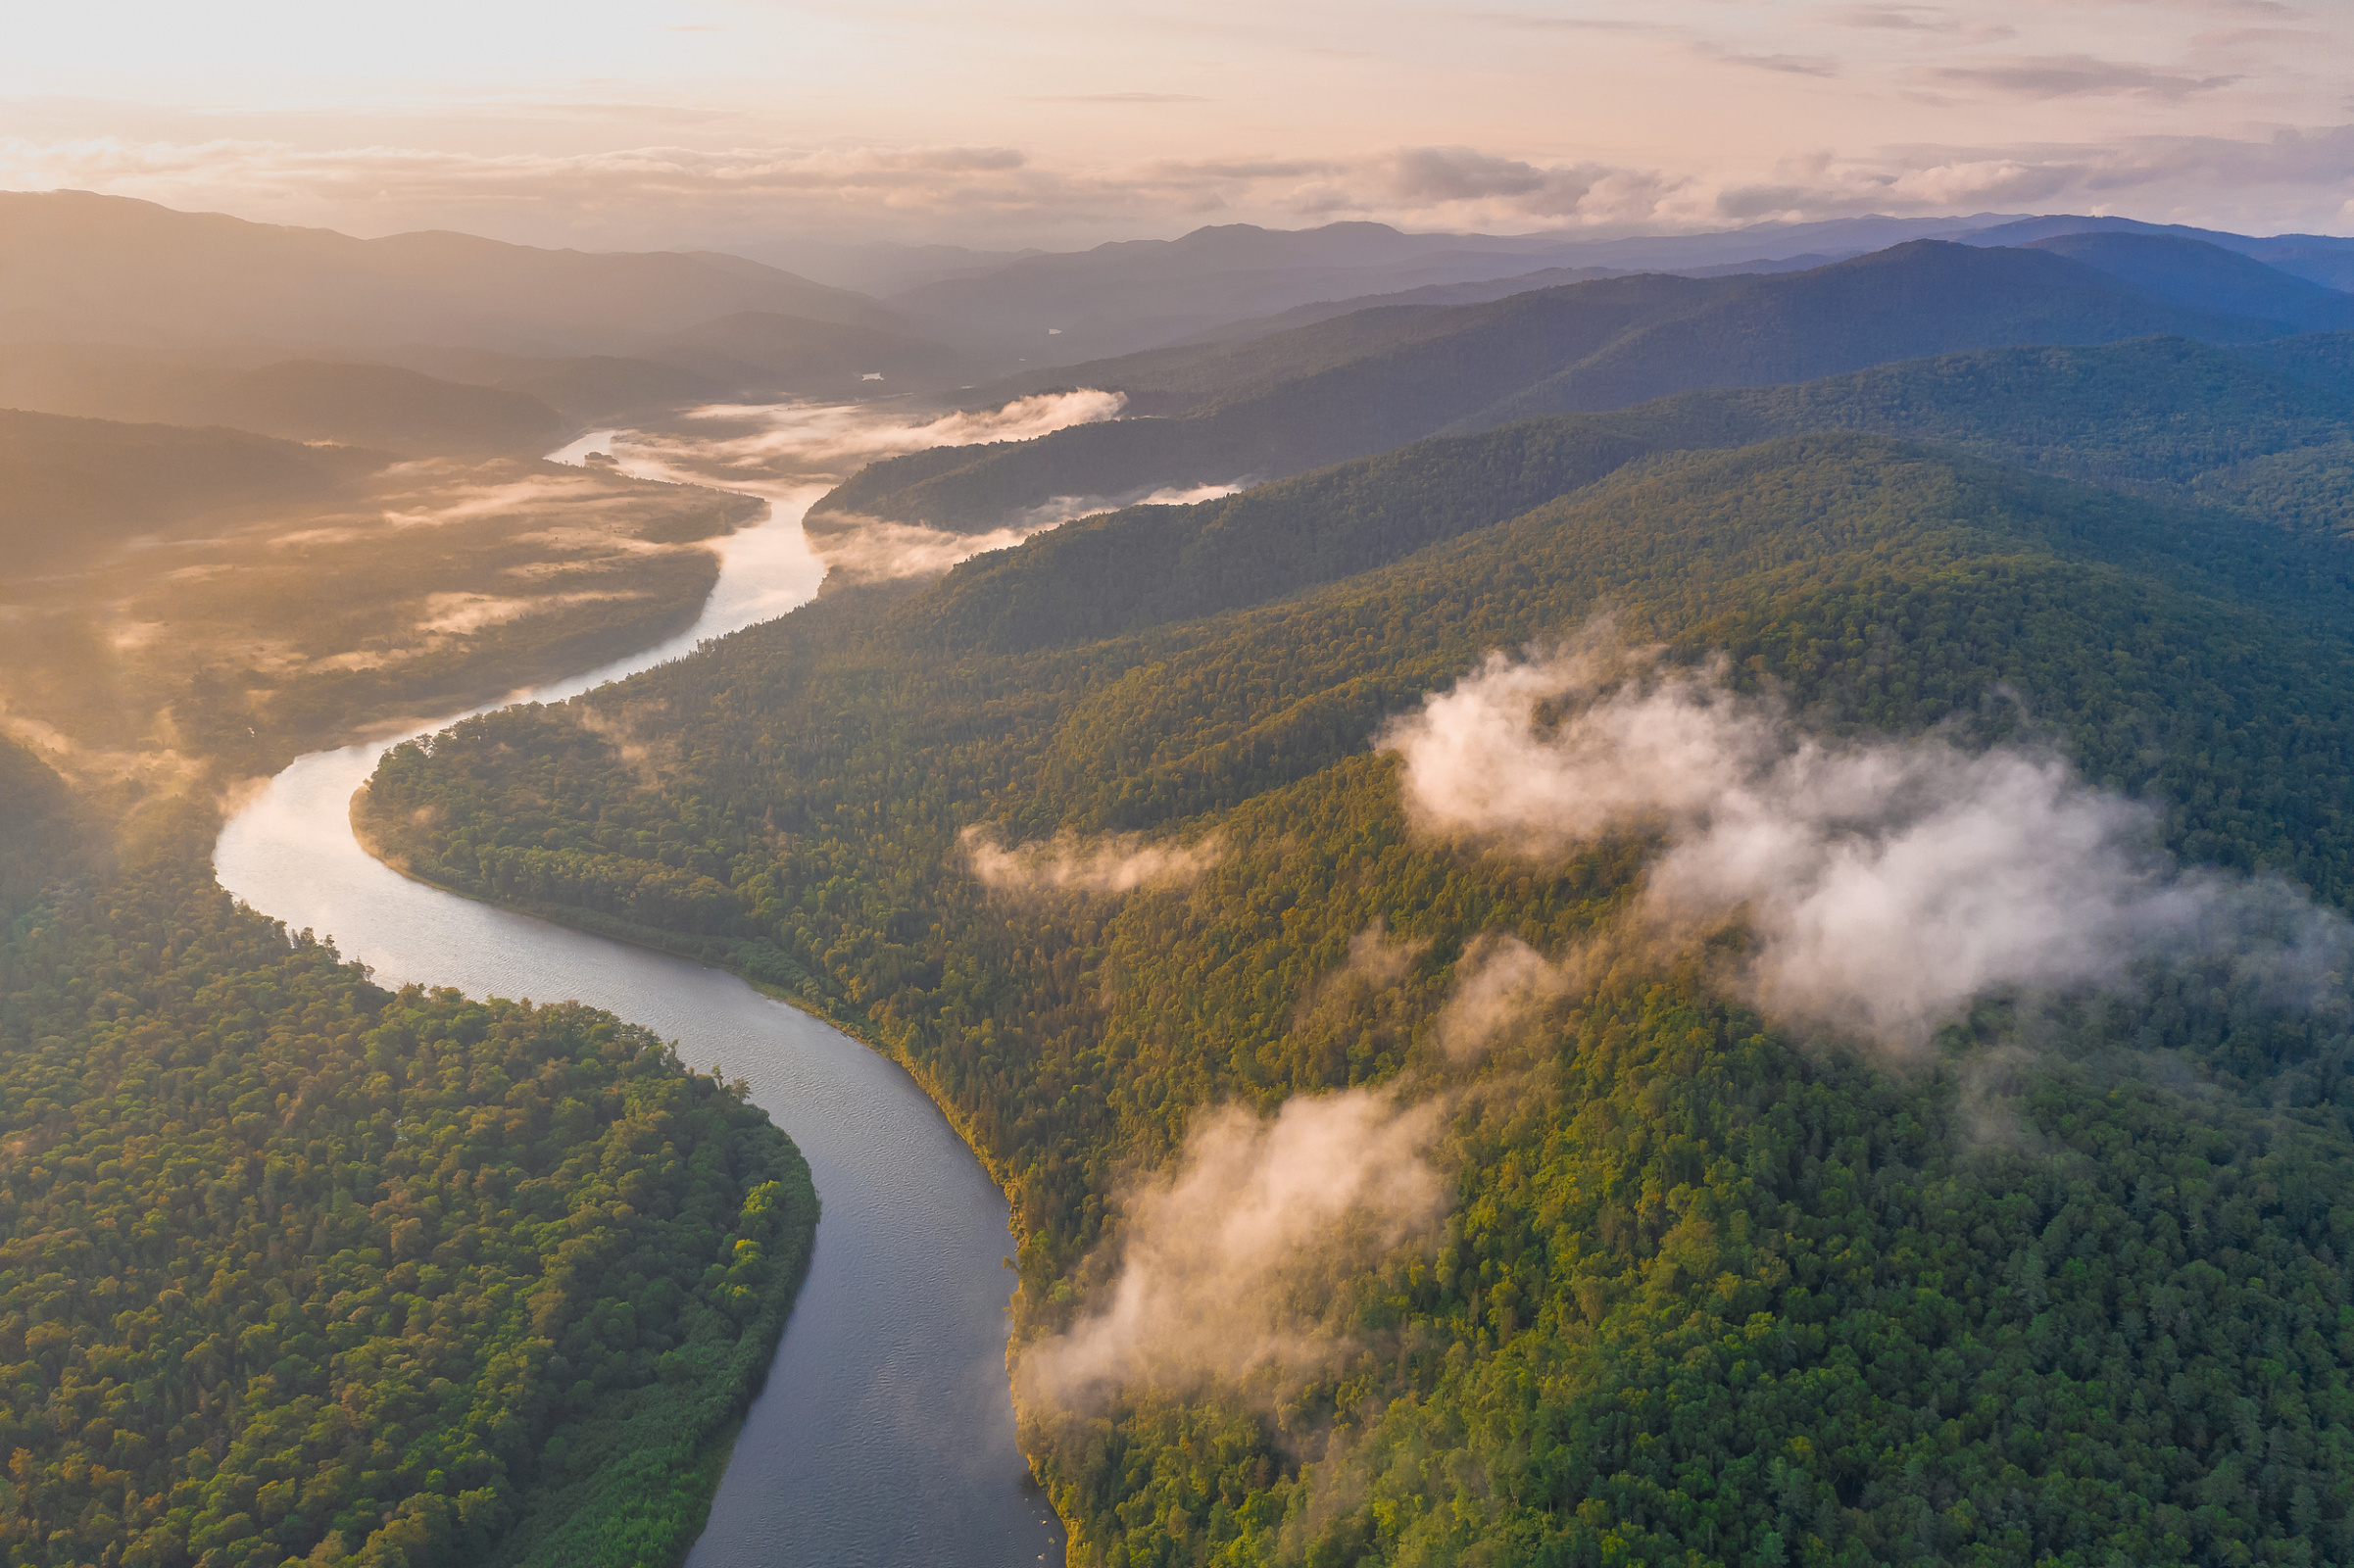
[{"x": 885, "y": 1434}]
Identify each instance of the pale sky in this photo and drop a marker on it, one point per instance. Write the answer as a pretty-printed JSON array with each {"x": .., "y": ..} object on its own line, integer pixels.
[{"x": 756, "y": 125}]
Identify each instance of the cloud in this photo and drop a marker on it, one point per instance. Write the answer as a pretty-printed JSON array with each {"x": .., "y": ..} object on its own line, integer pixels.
[
  {"x": 2206, "y": 179},
  {"x": 1893, "y": 18},
  {"x": 749, "y": 443},
  {"x": 1119, "y": 98},
  {"x": 1119, "y": 863},
  {"x": 1182, "y": 172},
  {"x": 791, "y": 451},
  {"x": 463, "y": 613},
  {"x": 1374, "y": 965},
  {"x": 2248, "y": 37},
  {"x": 1426, "y": 178},
  {"x": 1884, "y": 883},
  {"x": 1919, "y": 18},
  {"x": 1788, "y": 64},
  {"x": 1499, "y": 981},
  {"x": 924, "y": 192},
  {"x": 1227, "y": 1264},
  {"x": 1536, "y": 24},
  {"x": 2075, "y": 75},
  {"x": 437, "y": 493},
  {"x": 386, "y": 187},
  {"x": 744, "y": 197},
  {"x": 864, "y": 548},
  {"x": 1058, "y": 510},
  {"x": 861, "y": 549}
]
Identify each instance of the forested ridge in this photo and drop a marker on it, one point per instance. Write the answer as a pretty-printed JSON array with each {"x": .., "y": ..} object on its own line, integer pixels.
[
  {"x": 1341, "y": 389},
  {"x": 294, "y": 1268},
  {"x": 2074, "y": 1290},
  {"x": 297, "y": 1269}
]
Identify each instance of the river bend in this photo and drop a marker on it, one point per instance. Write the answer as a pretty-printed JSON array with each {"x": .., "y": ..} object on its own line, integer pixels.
[{"x": 884, "y": 1437}]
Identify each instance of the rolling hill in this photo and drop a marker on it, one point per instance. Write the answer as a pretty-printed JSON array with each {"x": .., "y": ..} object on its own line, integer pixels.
[
  {"x": 761, "y": 354},
  {"x": 2192, "y": 271},
  {"x": 72, "y": 488},
  {"x": 1370, "y": 382},
  {"x": 2324, "y": 258},
  {"x": 1134, "y": 294},
  {"x": 1710, "y": 1282},
  {"x": 81, "y": 268},
  {"x": 377, "y": 406},
  {"x": 588, "y": 389}
]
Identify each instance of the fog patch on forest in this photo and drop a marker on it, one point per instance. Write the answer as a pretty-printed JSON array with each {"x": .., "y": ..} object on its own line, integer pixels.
[
  {"x": 1056, "y": 510},
  {"x": 1228, "y": 1261},
  {"x": 735, "y": 441},
  {"x": 1499, "y": 981},
  {"x": 441, "y": 493},
  {"x": 1884, "y": 883},
  {"x": 1118, "y": 863},
  {"x": 244, "y": 632},
  {"x": 859, "y": 548},
  {"x": 457, "y": 613}
]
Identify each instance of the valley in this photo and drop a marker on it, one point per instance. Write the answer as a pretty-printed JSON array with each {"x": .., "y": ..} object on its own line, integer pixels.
[
  {"x": 1368, "y": 916},
  {"x": 1189, "y": 692}
]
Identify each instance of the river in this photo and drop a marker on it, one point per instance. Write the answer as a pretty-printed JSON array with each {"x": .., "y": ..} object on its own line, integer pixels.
[{"x": 884, "y": 1437}]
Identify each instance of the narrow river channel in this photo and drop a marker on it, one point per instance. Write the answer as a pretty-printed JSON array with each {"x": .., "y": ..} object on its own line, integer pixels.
[{"x": 884, "y": 1437}]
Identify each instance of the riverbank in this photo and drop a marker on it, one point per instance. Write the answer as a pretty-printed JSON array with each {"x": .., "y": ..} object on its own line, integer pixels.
[{"x": 885, "y": 1432}]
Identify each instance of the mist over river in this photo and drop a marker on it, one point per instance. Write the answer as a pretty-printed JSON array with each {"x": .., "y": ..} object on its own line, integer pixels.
[{"x": 884, "y": 1437}]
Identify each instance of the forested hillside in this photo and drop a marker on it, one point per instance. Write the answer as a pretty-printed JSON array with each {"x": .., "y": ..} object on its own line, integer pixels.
[
  {"x": 375, "y": 406},
  {"x": 85, "y": 267},
  {"x": 2067, "y": 1285},
  {"x": 73, "y": 488},
  {"x": 1366, "y": 383},
  {"x": 296, "y": 1270},
  {"x": 293, "y": 1268},
  {"x": 2194, "y": 271},
  {"x": 196, "y": 607},
  {"x": 2162, "y": 417}
]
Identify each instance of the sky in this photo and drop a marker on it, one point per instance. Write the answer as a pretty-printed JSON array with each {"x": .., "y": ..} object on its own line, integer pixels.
[{"x": 769, "y": 126}]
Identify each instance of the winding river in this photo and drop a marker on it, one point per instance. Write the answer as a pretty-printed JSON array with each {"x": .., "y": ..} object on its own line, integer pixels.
[{"x": 884, "y": 1437}]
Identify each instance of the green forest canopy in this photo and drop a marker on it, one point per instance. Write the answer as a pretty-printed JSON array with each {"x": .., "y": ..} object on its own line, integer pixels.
[
  {"x": 1367, "y": 383},
  {"x": 1710, "y": 1288},
  {"x": 297, "y": 1269}
]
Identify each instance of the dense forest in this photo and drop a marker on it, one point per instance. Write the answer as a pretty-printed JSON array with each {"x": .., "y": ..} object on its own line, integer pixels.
[
  {"x": 2070, "y": 1284},
  {"x": 294, "y": 1268},
  {"x": 297, "y": 1269},
  {"x": 1371, "y": 381},
  {"x": 204, "y": 605}
]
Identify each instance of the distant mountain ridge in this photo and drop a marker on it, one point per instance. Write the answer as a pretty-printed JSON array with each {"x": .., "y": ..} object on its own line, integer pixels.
[
  {"x": 2194, "y": 271},
  {"x": 1133, "y": 294},
  {"x": 1894, "y": 1371},
  {"x": 72, "y": 487},
  {"x": 79, "y": 266},
  {"x": 379, "y": 405},
  {"x": 1364, "y": 383},
  {"x": 2324, "y": 259}
]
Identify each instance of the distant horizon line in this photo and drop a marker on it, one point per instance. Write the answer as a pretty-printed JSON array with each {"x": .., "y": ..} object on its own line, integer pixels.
[{"x": 1562, "y": 237}]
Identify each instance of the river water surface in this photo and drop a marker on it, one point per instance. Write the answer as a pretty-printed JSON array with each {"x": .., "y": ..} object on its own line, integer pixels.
[{"x": 884, "y": 1437}]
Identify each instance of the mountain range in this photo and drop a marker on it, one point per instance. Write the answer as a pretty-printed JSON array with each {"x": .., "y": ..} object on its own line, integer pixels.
[
  {"x": 1718, "y": 888},
  {"x": 1363, "y": 382},
  {"x": 1122, "y": 824}
]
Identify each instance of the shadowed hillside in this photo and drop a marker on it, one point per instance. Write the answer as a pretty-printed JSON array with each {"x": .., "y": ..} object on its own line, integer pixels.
[
  {"x": 70, "y": 488},
  {"x": 81, "y": 268},
  {"x": 1364, "y": 384},
  {"x": 377, "y": 406},
  {"x": 1709, "y": 1281}
]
